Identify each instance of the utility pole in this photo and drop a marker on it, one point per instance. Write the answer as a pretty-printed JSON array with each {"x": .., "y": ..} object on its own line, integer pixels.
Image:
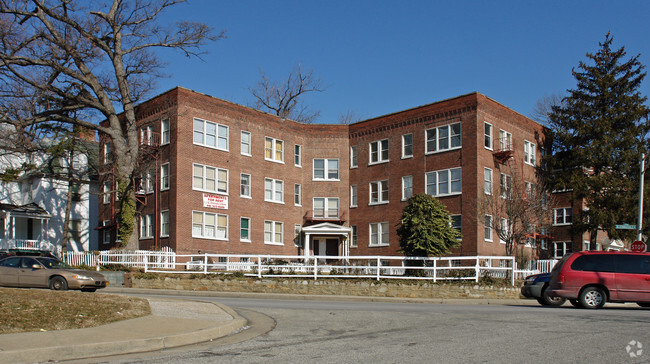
[{"x": 640, "y": 220}]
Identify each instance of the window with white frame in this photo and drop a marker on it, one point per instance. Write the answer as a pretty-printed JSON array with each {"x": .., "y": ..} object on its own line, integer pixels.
[
  {"x": 505, "y": 186},
  {"x": 561, "y": 248},
  {"x": 273, "y": 149},
  {"x": 147, "y": 182},
  {"x": 107, "y": 192},
  {"x": 107, "y": 232},
  {"x": 505, "y": 140},
  {"x": 353, "y": 157},
  {"x": 378, "y": 192},
  {"x": 529, "y": 189},
  {"x": 210, "y": 134},
  {"x": 245, "y": 229},
  {"x": 378, "y": 234},
  {"x": 245, "y": 185},
  {"x": 273, "y": 232},
  {"x": 446, "y": 137},
  {"x": 505, "y": 229},
  {"x": 146, "y": 135},
  {"x": 297, "y": 240},
  {"x": 379, "y": 151},
  {"x": 487, "y": 224},
  {"x": 164, "y": 176},
  {"x": 210, "y": 179},
  {"x": 353, "y": 196},
  {"x": 487, "y": 181},
  {"x": 407, "y": 145},
  {"x": 326, "y": 169},
  {"x": 563, "y": 216},
  {"x": 246, "y": 143},
  {"x": 164, "y": 131},
  {"x": 487, "y": 143},
  {"x": 529, "y": 153},
  {"x": 297, "y": 194},
  {"x": 273, "y": 190},
  {"x": 164, "y": 223},
  {"x": 297, "y": 155},
  {"x": 146, "y": 226},
  {"x": 353, "y": 239},
  {"x": 117, "y": 190},
  {"x": 107, "y": 152},
  {"x": 407, "y": 187},
  {"x": 444, "y": 182},
  {"x": 209, "y": 225},
  {"x": 326, "y": 207},
  {"x": 457, "y": 222}
]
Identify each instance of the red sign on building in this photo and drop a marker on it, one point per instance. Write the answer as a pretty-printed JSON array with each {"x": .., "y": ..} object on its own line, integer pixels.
[
  {"x": 638, "y": 246},
  {"x": 215, "y": 201}
]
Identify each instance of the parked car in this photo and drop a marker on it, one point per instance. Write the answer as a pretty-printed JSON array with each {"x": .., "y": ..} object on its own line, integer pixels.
[
  {"x": 47, "y": 272},
  {"x": 592, "y": 278},
  {"x": 535, "y": 287}
]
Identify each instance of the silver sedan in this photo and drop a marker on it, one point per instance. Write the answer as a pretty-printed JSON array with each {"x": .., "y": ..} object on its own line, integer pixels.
[{"x": 46, "y": 272}]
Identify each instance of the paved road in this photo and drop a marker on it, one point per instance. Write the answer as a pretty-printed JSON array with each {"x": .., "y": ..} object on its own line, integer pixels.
[{"x": 354, "y": 332}]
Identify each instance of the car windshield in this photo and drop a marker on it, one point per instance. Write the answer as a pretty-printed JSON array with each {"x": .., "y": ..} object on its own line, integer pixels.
[{"x": 52, "y": 263}]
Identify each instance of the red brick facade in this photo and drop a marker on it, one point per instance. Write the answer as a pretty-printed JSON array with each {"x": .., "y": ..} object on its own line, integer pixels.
[{"x": 189, "y": 162}]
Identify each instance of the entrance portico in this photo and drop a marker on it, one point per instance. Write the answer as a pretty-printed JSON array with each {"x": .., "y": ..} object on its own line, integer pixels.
[{"x": 325, "y": 239}]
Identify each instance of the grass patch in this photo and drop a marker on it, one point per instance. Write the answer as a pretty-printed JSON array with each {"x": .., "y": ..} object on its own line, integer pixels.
[{"x": 23, "y": 310}]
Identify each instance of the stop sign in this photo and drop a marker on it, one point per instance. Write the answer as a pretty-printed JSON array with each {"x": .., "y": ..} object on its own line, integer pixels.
[{"x": 638, "y": 246}]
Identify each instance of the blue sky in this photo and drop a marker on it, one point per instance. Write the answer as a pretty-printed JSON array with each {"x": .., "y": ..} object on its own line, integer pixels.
[{"x": 378, "y": 57}]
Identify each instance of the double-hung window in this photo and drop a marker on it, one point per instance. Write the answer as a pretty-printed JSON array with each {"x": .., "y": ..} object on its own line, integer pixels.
[
  {"x": 326, "y": 169},
  {"x": 563, "y": 216},
  {"x": 246, "y": 143},
  {"x": 164, "y": 131},
  {"x": 407, "y": 187},
  {"x": 164, "y": 223},
  {"x": 107, "y": 153},
  {"x": 529, "y": 153},
  {"x": 379, "y": 151},
  {"x": 487, "y": 181},
  {"x": 487, "y": 143},
  {"x": 297, "y": 194},
  {"x": 164, "y": 176},
  {"x": 446, "y": 137},
  {"x": 353, "y": 238},
  {"x": 457, "y": 222},
  {"x": 379, "y": 234},
  {"x": 273, "y": 232},
  {"x": 487, "y": 224},
  {"x": 407, "y": 145},
  {"x": 297, "y": 155},
  {"x": 245, "y": 229},
  {"x": 245, "y": 185},
  {"x": 505, "y": 229},
  {"x": 209, "y": 225},
  {"x": 444, "y": 182},
  {"x": 273, "y": 150},
  {"x": 210, "y": 179},
  {"x": 326, "y": 207},
  {"x": 506, "y": 186},
  {"x": 210, "y": 134},
  {"x": 353, "y": 196},
  {"x": 505, "y": 140},
  {"x": 353, "y": 157},
  {"x": 378, "y": 192},
  {"x": 107, "y": 192},
  {"x": 273, "y": 190},
  {"x": 146, "y": 226}
]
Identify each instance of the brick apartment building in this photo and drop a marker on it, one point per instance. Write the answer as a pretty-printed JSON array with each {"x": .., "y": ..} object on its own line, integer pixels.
[{"x": 224, "y": 178}]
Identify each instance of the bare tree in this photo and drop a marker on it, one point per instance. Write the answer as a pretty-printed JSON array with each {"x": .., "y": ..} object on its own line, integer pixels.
[
  {"x": 544, "y": 107},
  {"x": 93, "y": 58},
  {"x": 349, "y": 117},
  {"x": 519, "y": 210},
  {"x": 284, "y": 98}
]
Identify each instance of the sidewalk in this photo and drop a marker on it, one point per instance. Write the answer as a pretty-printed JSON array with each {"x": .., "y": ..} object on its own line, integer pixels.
[{"x": 172, "y": 323}]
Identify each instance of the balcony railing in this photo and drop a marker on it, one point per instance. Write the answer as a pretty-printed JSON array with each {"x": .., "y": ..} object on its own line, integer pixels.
[
  {"x": 323, "y": 215},
  {"x": 26, "y": 244}
]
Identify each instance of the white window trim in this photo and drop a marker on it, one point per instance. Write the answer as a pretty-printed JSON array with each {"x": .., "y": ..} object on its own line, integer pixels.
[
  {"x": 216, "y": 219},
  {"x": 162, "y": 235},
  {"x": 326, "y": 170},
  {"x": 529, "y": 154},
  {"x": 146, "y": 220},
  {"x": 169, "y": 132},
  {"x": 326, "y": 206},
  {"x": 354, "y": 243},
  {"x": 250, "y": 143},
  {"x": 273, "y": 223},
  {"x": 404, "y": 198},
  {"x": 297, "y": 240},
  {"x": 379, "y": 152},
  {"x": 564, "y": 215},
  {"x": 249, "y": 230},
  {"x": 438, "y": 150},
  {"x": 490, "y": 192},
  {"x": 491, "y": 135},
  {"x": 406, "y": 156},
  {"x": 356, "y": 194},
  {"x": 505, "y": 226},
  {"x": 106, "y": 231},
  {"x": 490, "y": 238},
  {"x": 162, "y": 176},
  {"x": 250, "y": 189},
  {"x": 216, "y": 125},
  {"x": 299, "y": 194},
  {"x": 379, "y": 193},
  {"x": 273, "y": 190},
  {"x": 379, "y": 234},
  {"x": 437, "y": 194},
  {"x": 356, "y": 151},
  {"x": 505, "y": 140},
  {"x": 299, "y": 164},
  {"x": 106, "y": 198},
  {"x": 273, "y": 150},
  {"x": 216, "y": 180}
]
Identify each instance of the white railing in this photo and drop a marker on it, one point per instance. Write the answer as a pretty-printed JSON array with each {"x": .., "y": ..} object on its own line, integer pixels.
[
  {"x": 542, "y": 265},
  {"x": 80, "y": 258},
  {"x": 163, "y": 259},
  {"x": 27, "y": 244}
]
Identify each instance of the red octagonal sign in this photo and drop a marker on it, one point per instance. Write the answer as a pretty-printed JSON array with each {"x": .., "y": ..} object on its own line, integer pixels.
[{"x": 638, "y": 246}]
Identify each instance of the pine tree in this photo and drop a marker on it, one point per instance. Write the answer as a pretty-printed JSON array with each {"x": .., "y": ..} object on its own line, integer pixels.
[{"x": 598, "y": 134}]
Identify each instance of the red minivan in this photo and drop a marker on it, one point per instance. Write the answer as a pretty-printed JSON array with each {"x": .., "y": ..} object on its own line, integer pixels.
[{"x": 591, "y": 278}]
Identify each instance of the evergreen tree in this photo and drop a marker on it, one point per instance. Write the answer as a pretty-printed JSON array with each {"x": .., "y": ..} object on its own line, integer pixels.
[
  {"x": 598, "y": 134},
  {"x": 425, "y": 228}
]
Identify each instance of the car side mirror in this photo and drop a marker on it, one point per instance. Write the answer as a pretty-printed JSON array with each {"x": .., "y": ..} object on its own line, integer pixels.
[{"x": 36, "y": 266}]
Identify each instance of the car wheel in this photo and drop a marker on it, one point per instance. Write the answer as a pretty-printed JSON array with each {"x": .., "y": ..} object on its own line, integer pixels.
[
  {"x": 575, "y": 303},
  {"x": 546, "y": 300},
  {"x": 58, "y": 283},
  {"x": 592, "y": 297},
  {"x": 88, "y": 289},
  {"x": 643, "y": 304}
]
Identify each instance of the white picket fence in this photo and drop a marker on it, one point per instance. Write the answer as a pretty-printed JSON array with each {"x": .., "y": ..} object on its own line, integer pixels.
[{"x": 164, "y": 259}]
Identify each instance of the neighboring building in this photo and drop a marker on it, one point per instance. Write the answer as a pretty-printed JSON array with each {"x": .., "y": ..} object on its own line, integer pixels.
[
  {"x": 224, "y": 178},
  {"x": 32, "y": 206}
]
